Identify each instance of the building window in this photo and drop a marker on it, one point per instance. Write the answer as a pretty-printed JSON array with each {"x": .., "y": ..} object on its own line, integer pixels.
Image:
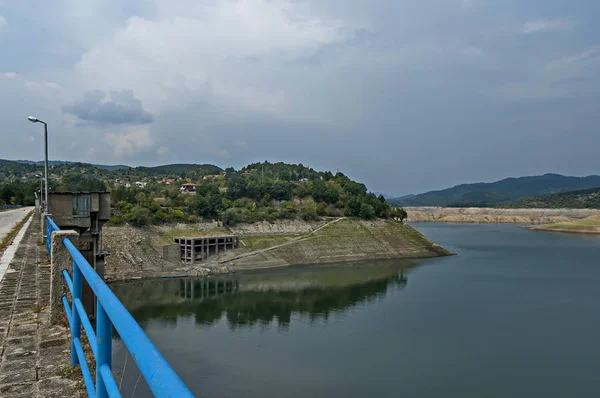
[{"x": 82, "y": 205}]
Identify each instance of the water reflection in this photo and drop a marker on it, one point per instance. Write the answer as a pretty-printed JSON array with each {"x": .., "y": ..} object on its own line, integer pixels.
[{"x": 262, "y": 297}]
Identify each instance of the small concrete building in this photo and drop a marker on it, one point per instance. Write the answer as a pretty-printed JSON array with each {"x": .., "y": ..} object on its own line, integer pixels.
[
  {"x": 86, "y": 213},
  {"x": 80, "y": 211}
]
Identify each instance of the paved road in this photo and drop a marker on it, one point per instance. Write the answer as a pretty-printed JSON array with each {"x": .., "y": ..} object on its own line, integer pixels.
[{"x": 9, "y": 218}]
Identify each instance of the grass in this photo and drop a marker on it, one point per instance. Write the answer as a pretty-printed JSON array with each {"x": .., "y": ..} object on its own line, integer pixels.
[
  {"x": 13, "y": 232},
  {"x": 253, "y": 243},
  {"x": 357, "y": 239},
  {"x": 590, "y": 224}
]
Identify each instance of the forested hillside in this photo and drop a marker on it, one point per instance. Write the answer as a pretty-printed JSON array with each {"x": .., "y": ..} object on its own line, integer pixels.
[
  {"x": 500, "y": 193},
  {"x": 581, "y": 199},
  {"x": 189, "y": 192}
]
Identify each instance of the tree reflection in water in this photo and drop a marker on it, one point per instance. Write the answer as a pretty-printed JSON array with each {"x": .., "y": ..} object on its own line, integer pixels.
[{"x": 262, "y": 297}]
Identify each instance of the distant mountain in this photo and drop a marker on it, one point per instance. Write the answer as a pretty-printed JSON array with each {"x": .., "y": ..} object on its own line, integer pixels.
[
  {"x": 162, "y": 169},
  {"x": 179, "y": 168},
  {"x": 502, "y": 192},
  {"x": 400, "y": 199},
  {"x": 580, "y": 199},
  {"x": 386, "y": 196}
]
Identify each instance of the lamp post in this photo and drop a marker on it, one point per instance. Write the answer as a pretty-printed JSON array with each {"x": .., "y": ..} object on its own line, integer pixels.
[
  {"x": 41, "y": 177},
  {"x": 36, "y": 120}
]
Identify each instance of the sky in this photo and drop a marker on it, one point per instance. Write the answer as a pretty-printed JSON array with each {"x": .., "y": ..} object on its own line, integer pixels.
[{"x": 403, "y": 95}]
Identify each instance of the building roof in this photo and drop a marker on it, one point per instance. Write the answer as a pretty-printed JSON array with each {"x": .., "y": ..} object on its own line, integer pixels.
[{"x": 189, "y": 185}]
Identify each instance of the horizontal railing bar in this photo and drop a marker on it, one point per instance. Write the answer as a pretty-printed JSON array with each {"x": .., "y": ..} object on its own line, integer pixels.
[
  {"x": 87, "y": 326},
  {"x": 109, "y": 382},
  {"x": 85, "y": 370},
  {"x": 67, "y": 277},
  {"x": 160, "y": 376},
  {"x": 67, "y": 309}
]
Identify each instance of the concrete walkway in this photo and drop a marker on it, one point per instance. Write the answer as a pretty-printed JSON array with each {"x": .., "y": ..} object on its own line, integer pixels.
[
  {"x": 10, "y": 218},
  {"x": 34, "y": 356}
]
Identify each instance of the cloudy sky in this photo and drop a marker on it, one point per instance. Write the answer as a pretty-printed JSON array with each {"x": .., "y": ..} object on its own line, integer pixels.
[{"x": 404, "y": 95}]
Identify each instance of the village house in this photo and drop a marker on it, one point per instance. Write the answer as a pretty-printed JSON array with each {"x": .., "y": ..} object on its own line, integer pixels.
[{"x": 189, "y": 187}]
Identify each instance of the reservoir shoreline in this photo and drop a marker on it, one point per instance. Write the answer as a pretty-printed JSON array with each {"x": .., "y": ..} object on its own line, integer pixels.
[{"x": 137, "y": 252}]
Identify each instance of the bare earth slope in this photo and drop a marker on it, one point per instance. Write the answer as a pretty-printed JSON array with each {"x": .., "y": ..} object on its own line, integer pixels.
[
  {"x": 496, "y": 216},
  {"x": 135, "y": 252},
  {"x": 345, "y": 240}
]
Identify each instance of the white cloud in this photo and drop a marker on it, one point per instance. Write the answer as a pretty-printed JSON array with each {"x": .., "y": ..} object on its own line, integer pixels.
[
  {"x": 568, "y": 76},
  {"x": 130, "y": 143},
  {"x": 50, "y": 89},
  {"x": 8, "y": 75},
  {"x": 583, "y": 58},
  {"x": 226, "y": 51},
  {"x": 541, "y": 25},
  {"x": 3, "y": 23}
]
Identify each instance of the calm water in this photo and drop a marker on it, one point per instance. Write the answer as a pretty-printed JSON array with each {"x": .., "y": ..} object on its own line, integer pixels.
[{"x": 515, "y": 314}]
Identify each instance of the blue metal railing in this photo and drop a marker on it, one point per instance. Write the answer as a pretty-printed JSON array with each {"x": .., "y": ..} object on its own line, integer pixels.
[{"x": 161, "y": 378}]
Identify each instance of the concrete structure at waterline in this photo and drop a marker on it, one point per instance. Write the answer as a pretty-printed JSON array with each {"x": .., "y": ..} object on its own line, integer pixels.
[{"x": 199, "y": 248}]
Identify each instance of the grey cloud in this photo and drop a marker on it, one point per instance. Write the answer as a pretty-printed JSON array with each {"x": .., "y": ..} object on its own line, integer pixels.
[
  {"x": 123, "y": 108},
  {"x": 405, "y": 96}
]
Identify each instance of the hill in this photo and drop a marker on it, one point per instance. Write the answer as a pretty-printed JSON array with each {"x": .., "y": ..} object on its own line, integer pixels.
[
  {"x": 500, "y": 193},
  {"x": 178, "y": 168},
  {"x": 345, "y": 240},
  {"x": 580, "y": 199},
  {"x": 398, "y": 200}
]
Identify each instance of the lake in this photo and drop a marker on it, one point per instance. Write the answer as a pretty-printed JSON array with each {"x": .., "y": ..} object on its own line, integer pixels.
[{"x": 515, "y": 314}]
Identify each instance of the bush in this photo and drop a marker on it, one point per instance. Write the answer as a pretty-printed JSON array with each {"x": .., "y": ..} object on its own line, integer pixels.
[
  {"x": 177, "y": 215},
  {"x": 309, "y": 210},
  {"x": 139, "y": 216},
  {"x": 366, "y": 211},
  {"x": 161, "y": 216},
  {"x": 322, "y": 209},
  {"x": 232, "y": 217},
  {"x": 117, "y": 220}
]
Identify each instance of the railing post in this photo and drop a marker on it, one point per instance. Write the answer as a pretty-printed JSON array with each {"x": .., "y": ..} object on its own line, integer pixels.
[
  {"x": 76, "y": 320},
  {"x": 60, "y": 260},
  {"x": 104, "y": 356}
]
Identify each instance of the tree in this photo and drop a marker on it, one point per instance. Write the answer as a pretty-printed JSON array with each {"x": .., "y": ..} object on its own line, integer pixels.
[
  {"x": 398, "y": 213},
  {"x": 236, "y": 186}
]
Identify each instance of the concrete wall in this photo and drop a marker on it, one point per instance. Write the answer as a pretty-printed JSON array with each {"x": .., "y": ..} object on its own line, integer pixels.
[
  {"x": 171, "y": 253},
  {"x": 95, "y": 202},
  {"x": 104, "y": 212}
]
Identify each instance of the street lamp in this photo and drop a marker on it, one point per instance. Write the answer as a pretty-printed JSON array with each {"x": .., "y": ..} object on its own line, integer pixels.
[
  {"x": 36, "y": 120},
  {"x": 41, "y": 177}
]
